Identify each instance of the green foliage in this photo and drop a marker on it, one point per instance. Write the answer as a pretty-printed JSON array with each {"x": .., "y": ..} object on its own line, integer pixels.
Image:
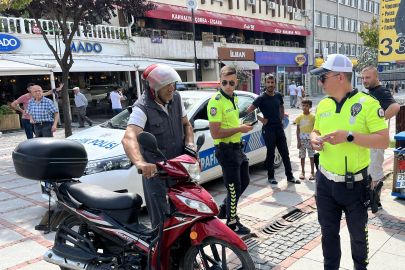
[
  {"x": 369, "y": 57},
  {"x": 5, "y": 110},
  {"x": 369, "y": 34}
]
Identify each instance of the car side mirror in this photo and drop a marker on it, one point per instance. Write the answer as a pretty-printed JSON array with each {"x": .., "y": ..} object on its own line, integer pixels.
[{"x": 201, "y": 124}]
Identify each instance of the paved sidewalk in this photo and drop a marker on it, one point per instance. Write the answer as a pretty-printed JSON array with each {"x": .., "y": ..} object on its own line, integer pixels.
[{"x": 285, "y": 243}]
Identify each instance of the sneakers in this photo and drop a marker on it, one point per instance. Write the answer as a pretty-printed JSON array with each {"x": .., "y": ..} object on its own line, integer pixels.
[
  {"x": 237, "y": 227},
  {"x": 293, "y": 180},
  {"x": 222, "y": 213},
  {"x": 91, "y": 123},
  {"x": 379, "y": 206},
  {"x": 272, "y": 180}
]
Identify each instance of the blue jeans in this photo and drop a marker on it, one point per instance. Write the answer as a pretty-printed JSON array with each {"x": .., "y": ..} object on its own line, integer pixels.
[
  {"x": 29, "y": 128},
  {"x": 116, "y": 111}
]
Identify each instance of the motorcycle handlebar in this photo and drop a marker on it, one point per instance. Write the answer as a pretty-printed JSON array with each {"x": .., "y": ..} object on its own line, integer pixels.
[{"x": 160, "y": 172}]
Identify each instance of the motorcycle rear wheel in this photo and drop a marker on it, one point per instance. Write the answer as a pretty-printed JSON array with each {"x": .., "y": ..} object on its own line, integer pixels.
[{"x": 214, "y": 250}]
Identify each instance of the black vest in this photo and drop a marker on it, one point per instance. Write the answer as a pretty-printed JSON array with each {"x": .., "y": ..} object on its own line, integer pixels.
[{"x": 168, "y": 129}]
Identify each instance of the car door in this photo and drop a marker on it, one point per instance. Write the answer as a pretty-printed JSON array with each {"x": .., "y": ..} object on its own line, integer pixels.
[{"x": 255, "y": 147}]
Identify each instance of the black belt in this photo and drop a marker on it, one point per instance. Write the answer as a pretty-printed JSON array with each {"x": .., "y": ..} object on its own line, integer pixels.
[
  {"x": 231, "y": 145},
  {"x": 42, "y": 123}
]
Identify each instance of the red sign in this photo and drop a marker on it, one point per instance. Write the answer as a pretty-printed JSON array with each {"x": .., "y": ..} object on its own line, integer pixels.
[
  {"x": 177, "y": 13},
  {"x": 36, "y": 30}
]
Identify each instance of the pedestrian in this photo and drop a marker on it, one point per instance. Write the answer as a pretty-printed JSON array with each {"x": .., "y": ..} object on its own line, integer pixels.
[
  {"x": 81, "y": 105},
  {"x": 347, "y": 124},
  {"x": 292, "y": 91},
  {"x": 226, "y": 130},
  {"x": 43, "y": 113},
  {"x": 305, "y": 124},
  {"x": 271, "y": 105},
  {"x": 116, "y": 98},
  {"x": 397, "y": 87},
  {"x": 25, "y": 119},
  {"x": 370, "y": 79},
  {"x": 300, "y": 90},
  {"x": 161, "y": 112}
]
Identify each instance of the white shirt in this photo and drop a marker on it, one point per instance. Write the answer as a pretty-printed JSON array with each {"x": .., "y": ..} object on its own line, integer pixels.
[
  {"x": 138, "y": 117},
  {"x": 292, "y": 90},
  {"x": 115, "y": 100},
  {"x": 80, "y": 100},
  {"x": 299, "y": 89}
]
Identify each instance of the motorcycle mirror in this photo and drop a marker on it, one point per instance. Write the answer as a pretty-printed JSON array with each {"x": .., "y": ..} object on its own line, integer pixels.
[
  {"x": 200, "y": 141},
  {"x": 148, "y": 141}
]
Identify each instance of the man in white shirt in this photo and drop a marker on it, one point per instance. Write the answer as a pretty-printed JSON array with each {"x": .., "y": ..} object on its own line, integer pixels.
[
  {"x": 116, "y": 98},
  {"x": 300, "y": 89},
  {"x": 81, "y": 104},
  {"x": 292, "y": 91}
]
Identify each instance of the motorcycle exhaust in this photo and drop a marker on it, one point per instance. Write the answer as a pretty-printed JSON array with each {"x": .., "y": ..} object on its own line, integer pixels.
[
  {"x": 51, "y": 257},
  {"x": 55, "y": 259}
]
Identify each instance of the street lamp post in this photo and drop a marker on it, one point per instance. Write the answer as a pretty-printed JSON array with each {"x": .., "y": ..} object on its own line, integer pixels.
[{"x": 192, "y": 5}]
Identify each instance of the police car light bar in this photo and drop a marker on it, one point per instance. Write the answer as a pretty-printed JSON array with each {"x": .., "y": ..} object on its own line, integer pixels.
[{"x": 187, "y": 86}]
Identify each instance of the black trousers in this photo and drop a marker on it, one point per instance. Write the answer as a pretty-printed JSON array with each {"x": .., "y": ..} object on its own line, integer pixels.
[
  {"x": 43, "y": 129},
  {"x": 331, "y": 199},
  {"x": 236, "y": 178},
  {"x": 273, "y": 139}
]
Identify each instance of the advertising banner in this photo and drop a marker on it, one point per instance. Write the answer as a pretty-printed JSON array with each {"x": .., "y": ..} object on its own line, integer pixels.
[{"x": 392, "y": 31}]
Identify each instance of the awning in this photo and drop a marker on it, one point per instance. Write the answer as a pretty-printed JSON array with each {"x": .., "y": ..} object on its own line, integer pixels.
[
  {"x": 319, "y": 62},
  {"x": 183, "y": 14},
  {"x": 10, "y": 66},
  {"x": 102, "y": 64},
  {"x": 245, "y": 65}
]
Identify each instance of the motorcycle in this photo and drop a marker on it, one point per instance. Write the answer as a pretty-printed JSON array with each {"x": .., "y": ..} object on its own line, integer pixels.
[{"x": 101, "y": 229}]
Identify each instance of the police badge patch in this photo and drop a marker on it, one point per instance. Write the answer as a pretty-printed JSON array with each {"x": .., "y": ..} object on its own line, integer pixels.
[
  {"x": 381, "y": 113},
  {"x": 354, "y": 111},
  {"x": 213, "y": 111}
]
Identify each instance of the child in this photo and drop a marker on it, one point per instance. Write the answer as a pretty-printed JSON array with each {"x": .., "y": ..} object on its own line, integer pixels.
[{"x": 305, "y": 124}]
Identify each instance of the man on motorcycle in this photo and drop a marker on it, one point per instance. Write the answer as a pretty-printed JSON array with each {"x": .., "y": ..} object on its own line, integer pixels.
[{"x": 159, "y": 111}]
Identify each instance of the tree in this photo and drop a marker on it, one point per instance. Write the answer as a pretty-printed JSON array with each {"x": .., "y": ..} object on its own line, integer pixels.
[
  {"x": 370, "y": 35},
  {"x": 66, "y": 17}
]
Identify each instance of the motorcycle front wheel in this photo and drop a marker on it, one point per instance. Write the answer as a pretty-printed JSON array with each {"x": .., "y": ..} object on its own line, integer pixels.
[{"x": 217, "y": 254}]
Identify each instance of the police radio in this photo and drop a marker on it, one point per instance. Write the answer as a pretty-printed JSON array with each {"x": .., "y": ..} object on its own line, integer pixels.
[{"x": 349, "y": 177}]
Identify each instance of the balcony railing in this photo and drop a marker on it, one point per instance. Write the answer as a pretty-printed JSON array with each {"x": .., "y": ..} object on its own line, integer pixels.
[{"x": 25, "y": 26}]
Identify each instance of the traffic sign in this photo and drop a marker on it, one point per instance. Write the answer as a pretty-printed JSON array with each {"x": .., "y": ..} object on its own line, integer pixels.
[
  {"x": 192, "y": 4},
  {"x": 36, "y": 30}
]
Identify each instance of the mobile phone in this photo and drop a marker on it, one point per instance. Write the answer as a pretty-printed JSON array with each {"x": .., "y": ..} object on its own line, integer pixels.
[
  {"x": 255, "y": 122},
  {"x": 322, "y": 138}
]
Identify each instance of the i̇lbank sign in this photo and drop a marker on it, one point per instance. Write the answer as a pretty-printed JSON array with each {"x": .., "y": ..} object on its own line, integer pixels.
[{"x": 236, "y": 54}]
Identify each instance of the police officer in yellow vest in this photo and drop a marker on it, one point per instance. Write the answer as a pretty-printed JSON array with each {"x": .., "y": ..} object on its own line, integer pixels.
[
  {"x": 226, "y": 130},
  {"x": 347, "y": 124}
]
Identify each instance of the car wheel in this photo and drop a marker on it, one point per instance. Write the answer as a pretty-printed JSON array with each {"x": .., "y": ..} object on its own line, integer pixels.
[{"x": 277, "y": 160}]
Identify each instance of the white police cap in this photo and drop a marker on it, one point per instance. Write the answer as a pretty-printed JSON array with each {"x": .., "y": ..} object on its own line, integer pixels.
[{"x": 334, "y": 62}]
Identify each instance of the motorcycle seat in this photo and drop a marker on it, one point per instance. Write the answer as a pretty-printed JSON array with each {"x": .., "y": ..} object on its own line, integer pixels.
[{"x": 97, "y": 197}]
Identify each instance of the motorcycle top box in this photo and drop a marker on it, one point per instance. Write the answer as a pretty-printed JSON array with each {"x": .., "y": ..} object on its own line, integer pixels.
[{"x": 49, "y": 159}]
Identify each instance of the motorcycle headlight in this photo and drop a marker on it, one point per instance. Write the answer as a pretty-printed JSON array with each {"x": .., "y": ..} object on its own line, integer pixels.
[
  {"x": 199, "y": 206},
  {"x": 193, "y": 170},
  {"x": 108, "y": 164}
]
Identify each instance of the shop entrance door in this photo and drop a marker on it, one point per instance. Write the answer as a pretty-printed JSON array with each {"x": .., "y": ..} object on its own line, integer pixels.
[{"x": 280, "y": 83}]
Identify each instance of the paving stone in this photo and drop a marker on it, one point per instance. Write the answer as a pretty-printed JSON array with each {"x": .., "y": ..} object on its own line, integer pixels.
[
  {"x": 257, "y": 209},
  {"x": 278, "y": 250},
  {"x": 16, "y": 183},
  {"x": 26, "y": 251},
  {"x": 277, "y": 261},
  {"x": 13, "y": 204},
  {"x": 4, "y": 196},
  {"x": 23, "y": 214},
  {"x": 8, "y": 236}
]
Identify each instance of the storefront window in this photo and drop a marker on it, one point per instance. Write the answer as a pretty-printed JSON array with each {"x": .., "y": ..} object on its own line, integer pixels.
[{"x": 264, "y": 70}]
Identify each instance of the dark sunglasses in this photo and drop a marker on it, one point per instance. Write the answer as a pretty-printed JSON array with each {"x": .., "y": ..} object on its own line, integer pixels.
[
  {"x": 225, "y": 82},
  {"x": 323, "y": 78}
]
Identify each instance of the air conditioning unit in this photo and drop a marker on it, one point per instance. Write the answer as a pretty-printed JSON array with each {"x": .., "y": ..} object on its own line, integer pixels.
[
  {"x": 208, "y": 64},
  {"x": 251, "y": 2},
  {"x": 289, "y": 9},
  {"x": 271, "y": 5},
  {"x": 305, "y": 13}
]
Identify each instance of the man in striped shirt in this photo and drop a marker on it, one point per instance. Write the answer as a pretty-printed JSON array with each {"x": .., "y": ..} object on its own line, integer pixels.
[{"x": 43, "y": 113}]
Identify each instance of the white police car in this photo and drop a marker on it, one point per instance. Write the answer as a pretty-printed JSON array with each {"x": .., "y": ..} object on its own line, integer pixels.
[{"x": 110, "y": 168}]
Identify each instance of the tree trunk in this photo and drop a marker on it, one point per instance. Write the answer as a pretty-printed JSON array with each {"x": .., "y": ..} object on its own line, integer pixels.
[{"x": 66, "y": 103}]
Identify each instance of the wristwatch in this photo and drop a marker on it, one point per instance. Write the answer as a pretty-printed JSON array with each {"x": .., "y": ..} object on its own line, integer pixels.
[
  {"x": 189, "y": 144},
  {"x": 350, "y": 137}
]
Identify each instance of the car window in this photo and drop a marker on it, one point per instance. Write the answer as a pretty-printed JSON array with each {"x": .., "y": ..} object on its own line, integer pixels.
[
  {"x": 121, "y": 119},
  {"x": 243, "y": 103},
  {"x": 189, "y": 103},
  {"x": 202, "y": 113}
]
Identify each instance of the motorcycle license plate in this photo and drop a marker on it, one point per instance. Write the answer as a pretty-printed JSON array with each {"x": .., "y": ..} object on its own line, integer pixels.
[{"x": 401, "y": 180}]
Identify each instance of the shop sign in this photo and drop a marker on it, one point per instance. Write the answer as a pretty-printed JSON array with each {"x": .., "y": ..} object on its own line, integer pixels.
[
  {"x": 36, "y": 30},
  {"x": 156, "y": 39},
  {"x": 86, "y": 48},
  {"x": 300, "y": 59},
  {"x": 235, "y": 54},
  {"x": 207, "y": 39},
  {"x": 9, "y": 43},
  {"x": 279, "y": 59}
]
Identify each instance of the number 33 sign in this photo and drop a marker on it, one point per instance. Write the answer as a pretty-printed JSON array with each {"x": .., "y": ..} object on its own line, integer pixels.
[{"x": 392, "y": 31}]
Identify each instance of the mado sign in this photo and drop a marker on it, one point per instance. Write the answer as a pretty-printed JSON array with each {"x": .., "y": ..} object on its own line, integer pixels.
[
  {"x": 86, "y": 48},
  {"x": 9, "y": 43}
]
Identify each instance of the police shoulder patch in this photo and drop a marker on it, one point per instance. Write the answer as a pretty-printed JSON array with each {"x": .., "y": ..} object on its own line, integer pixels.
[
  {"x": 218, "y": 97},
  {"x": 381, "y": 113},
  {"x": 213, "y": 111}
]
